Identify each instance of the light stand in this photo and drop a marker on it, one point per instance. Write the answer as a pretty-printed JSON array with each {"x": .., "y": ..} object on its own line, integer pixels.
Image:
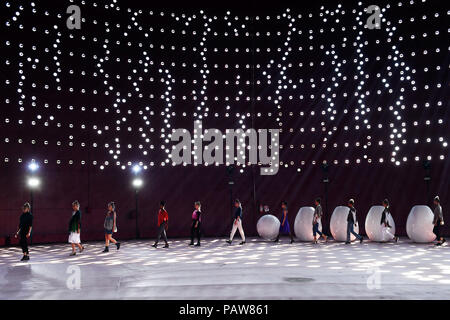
[
  {"x": 230, "y": 171},
  {"x": 427, "y": 178},
  {"x": 137, "y": 184},
  {"x": 33, "y": 183},
  {"x": 325, "y": 181}
]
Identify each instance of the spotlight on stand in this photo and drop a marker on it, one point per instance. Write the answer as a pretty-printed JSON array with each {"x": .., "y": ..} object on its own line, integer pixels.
[
  {"x": 325, "y": 181},
  {"x": 33, "y": 183},
  {"x": 137, "y": 185},
  {"x": 230, "y": 172},
  {"x": 427, "y": 166}
]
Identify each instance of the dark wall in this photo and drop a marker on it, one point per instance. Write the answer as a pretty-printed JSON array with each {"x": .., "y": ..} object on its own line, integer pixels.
[
  {"x": 337, "y": 91},
  {"x": 180, "y": 187}
]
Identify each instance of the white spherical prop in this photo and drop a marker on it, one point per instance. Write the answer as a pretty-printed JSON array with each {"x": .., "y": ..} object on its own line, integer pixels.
[
  {"x": 338, "y": 224},
  {"x": 419, "y": 225},
  {"x": 268, "y": 227},
  {"x": 374, "y": 228},
  {"x": 303, "y": 224}
]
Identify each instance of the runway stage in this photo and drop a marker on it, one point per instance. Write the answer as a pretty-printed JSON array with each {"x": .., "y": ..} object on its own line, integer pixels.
[{"x": 257, "y": 270}]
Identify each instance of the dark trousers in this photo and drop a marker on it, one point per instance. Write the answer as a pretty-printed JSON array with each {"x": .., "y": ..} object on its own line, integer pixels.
[
  {"x": 316, "y": 230},
  {"x": 162, "y": 232},
  {"x": 437, "y": 230},
  {"x": 350, "y": 226},
  {"x": 195, "y": 232},
  {"x": 24, "y": 243}
]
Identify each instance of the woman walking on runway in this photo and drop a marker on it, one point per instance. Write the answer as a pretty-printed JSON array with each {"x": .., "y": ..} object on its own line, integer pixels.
[
  {"x": 385, "y": 220},
  {"x": 24, "y": 230},
  {"x": 196, "y": 223},
  {"x": 75, "y": 228},
  {"x": 438, "y": 221},
  {"x": 237, "y": 223},
  {"x": 110, "y": 226},
  {"x": 284, "y": 226},
  {"x": 352, "y": 222},
  {"x": 317, "y": 217},
  {"x": 163, "y": 225}
]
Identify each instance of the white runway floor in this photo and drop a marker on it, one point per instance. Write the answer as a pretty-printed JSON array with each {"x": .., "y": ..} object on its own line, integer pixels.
[{"x": 257, "y": 270}]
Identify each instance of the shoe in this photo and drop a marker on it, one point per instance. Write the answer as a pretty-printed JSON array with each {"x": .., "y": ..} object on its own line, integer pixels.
[
  {"x": 443, "y": 241},
  {"x": 228, "y": 241},
  {"x": 23, "y": 258},
  {"x": 438, "y": 244},
  {"x": 155, "y": 245},
  {"x": 82, "y": 249},
  {"x": 292, "y": 241},
  {"x": 315, "y": 241},
  {"x": 396, "y": 239},
  {"x": 73, "y": 253},
  {"x": 361, "y": 240},
  {"x": 191, "y": 244},
  {"x": 242, "y": 242},
  {"x": 326, "y": 238},
  {"x": 106, "y": 249},
  {"x": 276, "y": 240},
  {"x": 166, "y": 245},
  {"x": 118, "y": 245},
  {"x": 347, "y": 242},
  {"x": 27, "y": 258},
  {"x": 198, "y": 244}
]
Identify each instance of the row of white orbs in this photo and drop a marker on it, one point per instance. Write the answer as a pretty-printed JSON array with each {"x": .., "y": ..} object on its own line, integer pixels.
[{"x": 419, "y": 225}]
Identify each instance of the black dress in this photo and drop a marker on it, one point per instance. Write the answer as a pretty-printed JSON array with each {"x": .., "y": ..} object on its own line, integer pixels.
[{"x": 25, "y": 222}]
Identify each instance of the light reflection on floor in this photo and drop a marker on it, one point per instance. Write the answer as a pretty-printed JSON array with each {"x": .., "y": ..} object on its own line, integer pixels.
[{"x": 216, "y": 270}]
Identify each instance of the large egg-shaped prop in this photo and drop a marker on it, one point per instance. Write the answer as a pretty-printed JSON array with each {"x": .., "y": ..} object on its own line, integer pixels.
[
  {"x": 374, "y": 228},
  {"x": 268, "y": 227},
  {"x": 419, "y": 225},
  {"x": 303, "y": 227},
  {"x": 338, "y": 224}
]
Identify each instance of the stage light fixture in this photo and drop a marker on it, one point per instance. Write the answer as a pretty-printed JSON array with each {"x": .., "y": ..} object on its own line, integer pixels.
[
  {"x": 138, "y": 183},
  {"x": 33, "y": 182}
]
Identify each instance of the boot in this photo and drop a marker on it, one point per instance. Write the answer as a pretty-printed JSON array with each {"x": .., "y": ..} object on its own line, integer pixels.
[{"x": 106, "y": 249}]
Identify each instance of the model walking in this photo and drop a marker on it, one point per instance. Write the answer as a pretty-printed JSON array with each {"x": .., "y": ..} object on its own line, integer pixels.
[
  {"x": 24, "y": 230},
  {"x": 196, "y": 223},
  {"x": 438, "y": 221},
  {"x": 237, "y": 223},
  {"x": 163, "y": 225},
  {"x": 284, "y": 226},
  {"x": 317, "y": 219},
  {"x": 110, "y": 226},
  {"x": 385, "y": 220},
  {"x": 75, "y": 228},
  {"x": 352, "y": 222}
]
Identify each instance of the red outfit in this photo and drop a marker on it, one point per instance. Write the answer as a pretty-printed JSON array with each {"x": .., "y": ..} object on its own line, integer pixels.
[{"x": 163, "y": 216}]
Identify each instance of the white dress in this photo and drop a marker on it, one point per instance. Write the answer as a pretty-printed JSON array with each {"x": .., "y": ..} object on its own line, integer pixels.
[{"x": 73, "y": 236}]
